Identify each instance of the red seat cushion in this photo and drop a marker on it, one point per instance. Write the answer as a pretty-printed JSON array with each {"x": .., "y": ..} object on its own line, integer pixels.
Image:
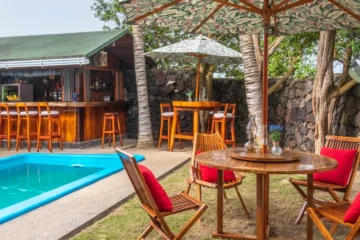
[
  {"x": 340, "y": 175},
  {"x": 353, "y": 213},
  {"x": 209, "y": 174},
  {"x": 161, "y": 198}
]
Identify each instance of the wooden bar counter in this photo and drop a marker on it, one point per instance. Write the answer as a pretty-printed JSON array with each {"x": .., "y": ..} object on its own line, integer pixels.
[{"x": 82, "y": 121}]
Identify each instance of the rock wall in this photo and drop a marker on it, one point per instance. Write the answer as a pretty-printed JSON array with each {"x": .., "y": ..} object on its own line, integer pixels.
[{"x": 290, "y": 106}]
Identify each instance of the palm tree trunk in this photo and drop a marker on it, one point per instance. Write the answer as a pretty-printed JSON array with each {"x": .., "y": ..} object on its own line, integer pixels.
[
  {"x": 252, "y": 81},
  {"x": 145, "y": 136}
]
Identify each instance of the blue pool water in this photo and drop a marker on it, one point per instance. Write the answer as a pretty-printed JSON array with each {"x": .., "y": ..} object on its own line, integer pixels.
[{"x": 28, "y": 181}]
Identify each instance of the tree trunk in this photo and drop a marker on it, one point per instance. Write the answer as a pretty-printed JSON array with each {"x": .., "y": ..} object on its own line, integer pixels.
[
  {"x": 322, "y": 85},
  {"x": 333, "y": 122},
  {"x": 145, "y": 136},
  {"x": 252, "y": 81}
]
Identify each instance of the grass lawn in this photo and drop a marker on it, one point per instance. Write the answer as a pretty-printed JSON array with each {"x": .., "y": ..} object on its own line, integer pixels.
[{"x": 129, "y": 220}]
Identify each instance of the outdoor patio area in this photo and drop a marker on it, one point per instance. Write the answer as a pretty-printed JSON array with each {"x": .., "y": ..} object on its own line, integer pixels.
[{"x": 284, "y": 207}]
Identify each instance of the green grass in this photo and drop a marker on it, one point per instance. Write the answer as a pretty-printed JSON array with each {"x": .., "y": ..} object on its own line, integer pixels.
[{"x": 129, "y": 220}]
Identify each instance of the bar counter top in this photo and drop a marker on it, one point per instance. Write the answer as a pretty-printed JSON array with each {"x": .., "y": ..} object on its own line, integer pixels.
[{"x": 76, "y": 104}]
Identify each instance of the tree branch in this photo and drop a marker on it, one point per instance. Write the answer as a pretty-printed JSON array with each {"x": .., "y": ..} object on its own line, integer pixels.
[
  {"x": 343, "y": 89},
  {"x": 274, "y": 45},
  {"x": 288, "y": 74},
  {"x": 346, "y": 64}
]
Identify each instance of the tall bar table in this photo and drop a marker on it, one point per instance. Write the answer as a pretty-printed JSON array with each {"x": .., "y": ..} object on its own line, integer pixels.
[{"x": 192, "y": 107}]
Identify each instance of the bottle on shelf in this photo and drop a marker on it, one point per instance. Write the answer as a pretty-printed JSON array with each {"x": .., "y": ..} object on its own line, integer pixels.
[{"x": 51, "y": 97}]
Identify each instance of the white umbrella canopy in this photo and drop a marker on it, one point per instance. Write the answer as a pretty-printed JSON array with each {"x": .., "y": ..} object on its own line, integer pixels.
[
  {"x": 199, "y": 49},
  {"x": 188, "y": 50}
]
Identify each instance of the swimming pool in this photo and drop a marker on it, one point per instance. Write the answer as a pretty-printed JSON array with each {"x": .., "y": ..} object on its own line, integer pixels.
[{"x": 28, "y": 181}]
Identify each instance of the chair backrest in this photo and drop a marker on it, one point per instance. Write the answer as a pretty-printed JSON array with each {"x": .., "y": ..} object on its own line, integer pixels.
[
  {"x": 4, "y": 107},
  {"x": 230, "y": 108},
  {"x": 140, "y": 186},
  {"x": 21, "y": 107},
  {"x": 43, "y": 105},
  {"x": 340, "y": 142},
  {"x": 164, "y": 107},
  {"x": 205, "y": 143}
]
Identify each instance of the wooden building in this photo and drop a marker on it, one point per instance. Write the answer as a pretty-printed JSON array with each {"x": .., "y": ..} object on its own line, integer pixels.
[{"x": 79, "y": 74}]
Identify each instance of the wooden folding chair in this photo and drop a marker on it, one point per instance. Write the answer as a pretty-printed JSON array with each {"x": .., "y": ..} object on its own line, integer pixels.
[
  {"x": 336, "y": 142},
  {"x": 333, "y": 212},
  {"x": 211, "y": 142},
  {"x": 180, "y": 202}
]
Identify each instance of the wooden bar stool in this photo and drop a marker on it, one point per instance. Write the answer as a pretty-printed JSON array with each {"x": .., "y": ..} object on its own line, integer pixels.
[
  {"x": 228, "y": 116},
  {"x": 167, "y": 115},
  {"x": 220, "y": 109},
  {"x": 7, "y": 119},
  {"x": 29, "y": 117},
  {"x": 113, "y": 116},
  {"x": 47, "y": 115}
]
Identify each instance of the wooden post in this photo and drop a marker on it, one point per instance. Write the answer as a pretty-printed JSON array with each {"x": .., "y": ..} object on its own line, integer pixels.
[
  {"x": 197, "y": 80},
  {"x": 260, "y": 207},
  {"x": 265, "y": 91},
  {"x": 220, "y": 201},
  {"x": 86, "y": 85},
  {"x": 119, "y": 86}
]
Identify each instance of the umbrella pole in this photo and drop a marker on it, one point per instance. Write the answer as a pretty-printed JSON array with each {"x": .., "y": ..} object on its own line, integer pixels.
[
  {"x": 265, "y": 92},
  {"x": 197, "y": 80}
]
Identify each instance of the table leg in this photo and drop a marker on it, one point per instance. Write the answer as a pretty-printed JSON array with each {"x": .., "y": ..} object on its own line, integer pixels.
[
  {"x": 173, "y": 130},
  {"x": 196, "y": 122},
  {"x": 223, "y": 129},
  {"x": 266, "y": 204},
  {"x": 220, "y": 201},
  {"x": 262, "y": 182},
  {"x": 310, "y": 191},
  {"x": 169, "y": 131}
]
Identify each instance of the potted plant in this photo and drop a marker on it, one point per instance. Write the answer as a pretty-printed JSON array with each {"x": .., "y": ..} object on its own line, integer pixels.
[
  {"x": 275, "y": 135},
  {"x": 189, "y": 95}
]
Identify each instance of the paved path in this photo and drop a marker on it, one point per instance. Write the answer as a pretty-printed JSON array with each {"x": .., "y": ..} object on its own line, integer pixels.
[{"x": 73, "y": 212}]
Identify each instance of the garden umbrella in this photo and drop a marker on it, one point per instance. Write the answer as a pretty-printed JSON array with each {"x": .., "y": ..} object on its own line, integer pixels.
[
  {"x": 200, "y": 49},
  {"x": 277, "y": 17}
]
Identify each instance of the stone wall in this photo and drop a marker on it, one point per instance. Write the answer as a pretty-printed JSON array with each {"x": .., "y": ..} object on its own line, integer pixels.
[{"x": 290, "y": 106}]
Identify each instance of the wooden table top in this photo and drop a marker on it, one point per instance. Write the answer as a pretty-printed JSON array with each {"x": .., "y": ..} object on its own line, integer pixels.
[
  {"x": 186, "y": 104},
  {"x": 308, "y": 163}
]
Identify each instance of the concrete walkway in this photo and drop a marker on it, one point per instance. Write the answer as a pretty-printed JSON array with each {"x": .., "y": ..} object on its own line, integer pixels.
[{"x": 68, "y": 215}]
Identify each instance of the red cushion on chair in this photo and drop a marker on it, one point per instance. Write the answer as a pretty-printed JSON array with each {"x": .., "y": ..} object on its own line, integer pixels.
[
  {"x": 340, "y": 175},
  {"x": 353, "y": 213},
  {"x": 161, "y": 198},
  {"x": 209, "y": 174}
]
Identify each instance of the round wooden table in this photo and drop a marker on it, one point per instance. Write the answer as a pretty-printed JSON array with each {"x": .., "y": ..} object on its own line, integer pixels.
[
  {"x": 308, "y": 164},
  {"x": 192, "y": 107}
]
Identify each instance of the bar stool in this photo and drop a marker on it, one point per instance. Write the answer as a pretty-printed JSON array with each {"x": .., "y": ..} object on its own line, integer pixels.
[
  {"x": 8, "y": 118},
  {"x": 167, "y": 115},
  {"x": 29, "y": 117},
  {"x": 220, "y": 109},
  {"x": 113, "y": 116},
  {"x": 48, "y": 116},
  {"x": 222, "y": 119}
]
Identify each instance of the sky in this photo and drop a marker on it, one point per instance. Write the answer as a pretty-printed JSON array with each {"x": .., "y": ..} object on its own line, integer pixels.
[{"x": 31, "y": 17}]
